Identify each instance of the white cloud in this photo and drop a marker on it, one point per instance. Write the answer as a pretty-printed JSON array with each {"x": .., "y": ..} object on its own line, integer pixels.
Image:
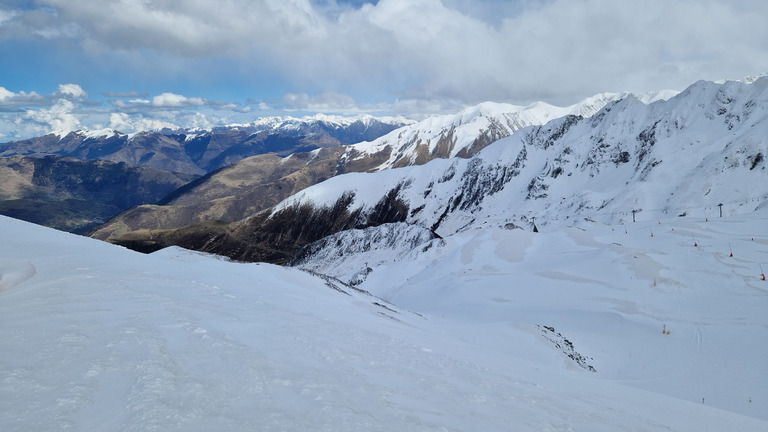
[
  {"x": 557, "y": 50},
  {"x": 6, "y": 94},
  {"x": 171, "y": 100},
  {"x": 328, "y": 102},
  {"x": 344, "y": 104},
  {"x": 59, "y": 117},
  {"x": 10, "y": 101},
  {"x": 130, "y": 124},
  {"x": 131, "y": 94},
  {"x": 73, "y": 91}
]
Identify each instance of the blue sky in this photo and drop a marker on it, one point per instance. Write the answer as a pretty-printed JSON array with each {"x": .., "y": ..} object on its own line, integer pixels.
[{"x": 142, "y": 64}]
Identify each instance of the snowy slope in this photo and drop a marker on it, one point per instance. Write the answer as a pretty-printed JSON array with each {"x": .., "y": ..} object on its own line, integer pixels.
[
  {"x": 603, "y": 280},
  {"x": 467, "y": 132},
  {"x": 706, "y": 146},
  {"x": 610, "y": 290},
  {"x": 96, "y": 337}
]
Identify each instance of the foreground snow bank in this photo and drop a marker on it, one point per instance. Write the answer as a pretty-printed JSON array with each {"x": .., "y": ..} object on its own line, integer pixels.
[{"x": 95, "y": 337}]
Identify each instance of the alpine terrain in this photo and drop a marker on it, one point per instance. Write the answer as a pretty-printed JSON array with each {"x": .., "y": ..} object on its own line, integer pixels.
[
  {"x": 260, "y": 182},
  {"x": 683, "y": 156},
  {"x": 595, "y": 270}
]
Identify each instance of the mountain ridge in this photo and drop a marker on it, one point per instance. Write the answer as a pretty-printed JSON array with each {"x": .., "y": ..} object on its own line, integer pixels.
[
  {"x": 198, "y": 151},
  {"x": 457, "y": 135},
  {"x": 687, "y": 154}
]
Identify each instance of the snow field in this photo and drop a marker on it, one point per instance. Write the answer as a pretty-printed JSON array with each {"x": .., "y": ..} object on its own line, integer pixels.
[
  {"x": 99, "y": 337},
  {"x": 612, "y": 293}
]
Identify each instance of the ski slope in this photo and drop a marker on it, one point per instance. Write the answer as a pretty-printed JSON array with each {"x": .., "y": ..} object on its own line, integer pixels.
[{"x": 96, "y": 337}]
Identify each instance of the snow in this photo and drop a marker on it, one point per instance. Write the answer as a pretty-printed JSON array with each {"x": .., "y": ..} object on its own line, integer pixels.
[
  {"x": 287, "y": 123},
  {"x": 464, "y": 127},
  {"x": 703, "y": 147},
  {"x": 99, "y": 337},
  {"x": 98, "y": 133}
]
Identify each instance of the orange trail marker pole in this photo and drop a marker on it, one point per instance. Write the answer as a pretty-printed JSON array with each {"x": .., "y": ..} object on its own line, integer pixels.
[
  {"x": 695, "y": 243},
  {"x": 730, "y": 249}
]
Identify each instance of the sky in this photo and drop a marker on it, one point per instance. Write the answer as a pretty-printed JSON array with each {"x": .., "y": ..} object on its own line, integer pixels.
[{"x": 145, "y": 64}]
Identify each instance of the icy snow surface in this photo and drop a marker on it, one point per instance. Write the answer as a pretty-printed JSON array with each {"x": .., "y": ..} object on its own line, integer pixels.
[{"x": 96, "y": 337}]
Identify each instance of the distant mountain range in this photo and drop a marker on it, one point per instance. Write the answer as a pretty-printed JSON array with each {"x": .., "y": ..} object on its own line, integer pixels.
[
  {"x": 702, "y": 147},
  {"x": 197, "y": 151},
  {"x": 74, "y": 193}
]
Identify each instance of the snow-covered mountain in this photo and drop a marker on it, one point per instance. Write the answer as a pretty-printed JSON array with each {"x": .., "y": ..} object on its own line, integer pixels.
[
  {"x": 325, "y": 123},
  {"x": 466, "y": 133},
  {"x": 257, "y": 183},
  {"x": 683, "y": 156},
  {"x": 704, "y": 147}
]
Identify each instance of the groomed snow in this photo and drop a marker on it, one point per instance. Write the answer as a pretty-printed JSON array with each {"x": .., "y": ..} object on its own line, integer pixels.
[{"x": 96, "y": 337}]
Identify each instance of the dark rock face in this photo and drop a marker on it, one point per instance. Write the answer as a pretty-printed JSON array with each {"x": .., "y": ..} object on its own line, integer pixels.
[
  {"x": 275, "y": 238},
  {"x": 260, "y": 238}
]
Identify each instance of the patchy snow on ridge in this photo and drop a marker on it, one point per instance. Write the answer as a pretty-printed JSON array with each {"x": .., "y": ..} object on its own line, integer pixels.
[{"x": 98, "y": 133}]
